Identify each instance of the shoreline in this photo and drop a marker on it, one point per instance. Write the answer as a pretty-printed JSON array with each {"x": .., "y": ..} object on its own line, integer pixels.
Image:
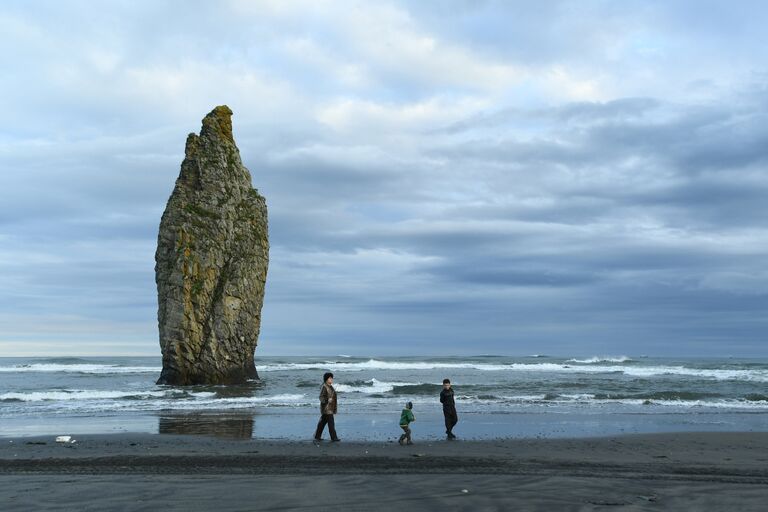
[
  {"x": 380, "y": 426},
  {"x": 672, "y": 471}
]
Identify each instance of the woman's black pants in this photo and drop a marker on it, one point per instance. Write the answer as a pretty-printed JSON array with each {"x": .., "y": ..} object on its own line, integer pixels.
[{"x": 326, "y": 419}]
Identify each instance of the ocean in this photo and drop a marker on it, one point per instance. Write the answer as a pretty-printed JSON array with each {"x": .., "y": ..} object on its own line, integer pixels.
[{"x": 535, "y": 396}]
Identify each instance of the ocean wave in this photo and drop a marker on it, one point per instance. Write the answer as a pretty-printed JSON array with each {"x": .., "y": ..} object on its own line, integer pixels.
[
  {"x": 604, "y": 359},
  {"x": 703, "y": 404},
  {"x": 593, "y": 365},
  {"x": 284, "y": 397},
  {"x": 92, "y": 401},
  {"x": 707, "y": 373},
  {"x": 79, "y": 368},
  {"x": 78, "y": 394},
  {"x": 587, "y": 399},
  {"x": 417, "y": 389},
  {"x": 574, "y": 366},
  {"x": 308, "y": 384},
  {"x": 364, "y": 395},
  {"x": 377, "y": 387},
  {"x": 658, "y": 395},
  {"x": 218, "y": 403},
  {"x": 753, "y": 375},
  {"x": 372, "y": 386},
  {"x": 374, "y": 364},
  {"x": 65, "y": 360}
]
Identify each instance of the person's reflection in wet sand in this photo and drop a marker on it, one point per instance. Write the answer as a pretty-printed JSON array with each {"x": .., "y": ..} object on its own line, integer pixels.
[{"x": 231, "y": 426}]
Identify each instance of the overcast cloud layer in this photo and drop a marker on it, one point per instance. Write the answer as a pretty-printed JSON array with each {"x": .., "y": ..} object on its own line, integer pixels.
[{"x": 442, "y": 177}]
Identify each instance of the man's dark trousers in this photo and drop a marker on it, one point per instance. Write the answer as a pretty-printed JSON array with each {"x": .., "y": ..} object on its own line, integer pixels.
[{"x": 451, "y": 418}]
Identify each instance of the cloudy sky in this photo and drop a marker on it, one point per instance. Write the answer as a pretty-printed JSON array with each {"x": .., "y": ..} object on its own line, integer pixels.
[{"x": 443, "y": 177}]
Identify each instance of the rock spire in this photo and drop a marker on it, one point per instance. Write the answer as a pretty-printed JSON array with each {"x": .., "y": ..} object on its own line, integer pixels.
[{"x": 211, "y": 263}]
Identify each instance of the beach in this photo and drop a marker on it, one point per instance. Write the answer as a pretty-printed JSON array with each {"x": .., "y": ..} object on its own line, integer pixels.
[
  {"x": 678, "y": 471},
  {"x": 536, "y": 433}
]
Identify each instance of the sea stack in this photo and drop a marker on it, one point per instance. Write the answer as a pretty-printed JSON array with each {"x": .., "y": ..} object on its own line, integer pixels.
[{"x": 211, "y": 263}]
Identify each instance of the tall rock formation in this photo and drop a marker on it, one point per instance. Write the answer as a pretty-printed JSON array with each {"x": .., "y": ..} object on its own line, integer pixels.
[{"x": 211, "y": 263}]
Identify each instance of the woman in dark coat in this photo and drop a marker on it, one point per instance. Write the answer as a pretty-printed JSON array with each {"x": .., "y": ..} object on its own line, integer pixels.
[{"x": 327, "y": 409}]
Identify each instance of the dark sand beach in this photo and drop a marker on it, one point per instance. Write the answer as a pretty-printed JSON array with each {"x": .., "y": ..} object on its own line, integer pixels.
[{"x": 680, "y": 471}]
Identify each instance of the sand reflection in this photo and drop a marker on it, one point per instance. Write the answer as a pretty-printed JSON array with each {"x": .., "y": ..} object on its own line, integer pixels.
[{"x": 227, "y": 425}]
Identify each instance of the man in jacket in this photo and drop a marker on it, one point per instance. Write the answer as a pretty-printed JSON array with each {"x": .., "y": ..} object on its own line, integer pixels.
[
  {"x": 449, "y": 408},
  {"x": 327, "y": 409}
]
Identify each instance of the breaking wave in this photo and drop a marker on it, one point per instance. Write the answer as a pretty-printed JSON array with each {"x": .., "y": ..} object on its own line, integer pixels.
[
  {"x": 79, "y": 368},
  {"x": 596, "y": 365},
  {"x": 81, "y": 394},
  {"x": 374, "y": 364},
  {"x": 596, "y": 359},
  {"x": 572, "y": 366},
  {"x": 370, "y": 387},
  {"x": 418, "y": 389}
]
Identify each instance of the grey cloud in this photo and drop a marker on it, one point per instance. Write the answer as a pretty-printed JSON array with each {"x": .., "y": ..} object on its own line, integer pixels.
[{"x": 618, "y": 226}]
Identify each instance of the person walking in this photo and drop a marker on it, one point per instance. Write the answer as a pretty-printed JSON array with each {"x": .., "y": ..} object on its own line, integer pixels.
[
  {"x": 327, "y": 409},
  {"x": 406, "y": 417},
  {"x": 449, "y": 408}
]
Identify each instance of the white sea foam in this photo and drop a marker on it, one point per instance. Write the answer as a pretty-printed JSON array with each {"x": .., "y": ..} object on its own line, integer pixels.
[
  {"x": 572, "y": 366},
  {"x": 755, "y": 375},
  {"x": 717, "y": 404},
  {"x": 79, "y": 368},
  {"x": 79, "y": 394},
  {"x": 213, "y": 403},
  {"x": 375, "y": 387},
  {"x": 374, "y": 364},
  {"x": 587, "y": 399},
  {"x": 603, "y": 359},
  {"x": 99, "y": 401},
  {"x": 286, "y": 398},
  {"x": 718, "y": 374},
  {"x": 583, "y": 366},
  {"x": 85, "y": 401},
  {"x": 202, "y": 394}
]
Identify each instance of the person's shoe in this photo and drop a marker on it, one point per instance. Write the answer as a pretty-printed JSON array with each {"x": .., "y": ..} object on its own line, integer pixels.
[
  {"x": 318, "y": 439},
  {"x": 337, "y": 440}
]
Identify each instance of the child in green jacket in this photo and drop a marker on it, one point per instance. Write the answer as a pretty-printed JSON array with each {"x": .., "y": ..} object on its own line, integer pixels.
[{"x": 405, "y": 418}]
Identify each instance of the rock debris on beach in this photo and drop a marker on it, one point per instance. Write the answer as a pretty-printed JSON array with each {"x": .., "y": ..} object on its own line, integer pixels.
[{"x": 211, "y": 263}]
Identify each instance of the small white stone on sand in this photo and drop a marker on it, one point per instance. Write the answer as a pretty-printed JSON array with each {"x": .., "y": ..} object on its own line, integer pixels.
[{"x": 465, "y": 491}]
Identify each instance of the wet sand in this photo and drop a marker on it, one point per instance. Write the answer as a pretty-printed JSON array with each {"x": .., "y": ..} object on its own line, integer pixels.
[{"x": 681, "y": 471}]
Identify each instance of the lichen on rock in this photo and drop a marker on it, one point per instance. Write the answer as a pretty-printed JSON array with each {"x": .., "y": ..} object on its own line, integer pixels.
[{"x": 211, "y": 263}]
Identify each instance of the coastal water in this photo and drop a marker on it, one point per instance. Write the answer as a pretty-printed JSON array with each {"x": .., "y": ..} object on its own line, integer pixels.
[{"x": 496, "y": 396}]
